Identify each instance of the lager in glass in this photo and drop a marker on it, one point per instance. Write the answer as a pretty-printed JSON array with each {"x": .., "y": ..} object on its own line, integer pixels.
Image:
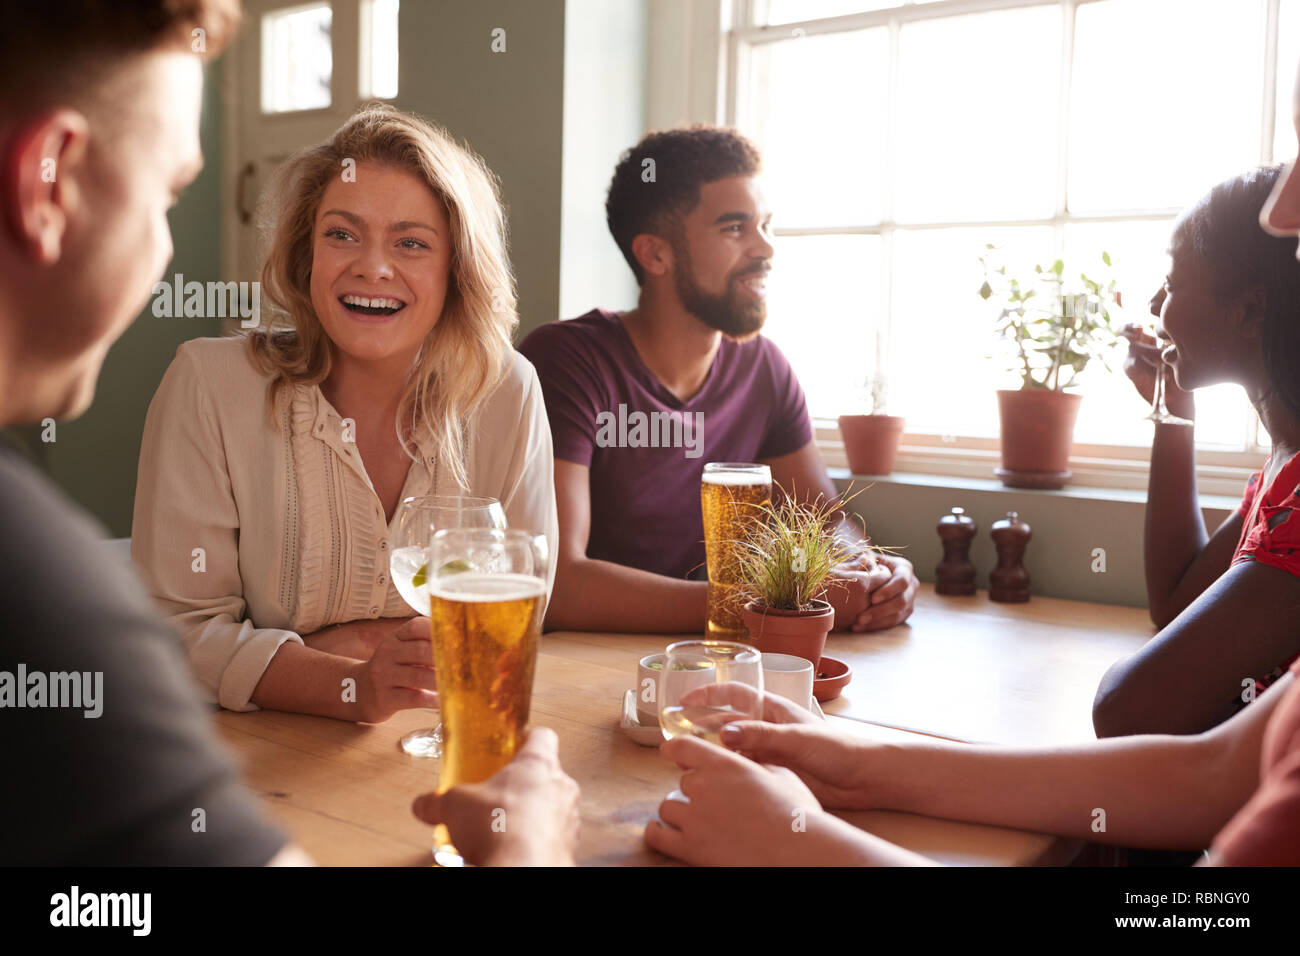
[
  {"x": 731, "y": 497},
  {"x": 487, "y": 596}
]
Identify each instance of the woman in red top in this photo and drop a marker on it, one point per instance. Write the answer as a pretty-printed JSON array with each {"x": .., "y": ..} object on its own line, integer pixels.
[{"x": 1226, "y": 604}]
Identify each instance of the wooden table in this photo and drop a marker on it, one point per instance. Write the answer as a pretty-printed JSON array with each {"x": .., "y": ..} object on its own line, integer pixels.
[
  {"x": 971, "y": 669},
  {"x": 344, "y": 790}
]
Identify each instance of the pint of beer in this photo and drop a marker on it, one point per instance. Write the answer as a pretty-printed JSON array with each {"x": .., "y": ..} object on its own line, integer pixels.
[
  {"x": 731, "y": 497},
  {"x": 487, "y": 590}
]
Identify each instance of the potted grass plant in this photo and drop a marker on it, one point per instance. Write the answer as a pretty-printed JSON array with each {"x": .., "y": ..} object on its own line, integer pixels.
[
  {"x": 1054, "y": 334},
  {"x": 871, "y": 439},
  {"x": 786, "y": 565}
]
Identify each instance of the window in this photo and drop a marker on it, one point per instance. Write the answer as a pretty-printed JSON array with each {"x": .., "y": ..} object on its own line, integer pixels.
[
  {"x": 297, "y": 60},
  {"x": 378, "y": 49},
  {"x": 900, "y": 137}
]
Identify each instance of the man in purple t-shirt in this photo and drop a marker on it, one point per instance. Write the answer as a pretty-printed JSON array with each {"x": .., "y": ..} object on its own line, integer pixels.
[{"x": 639, "y": 402}]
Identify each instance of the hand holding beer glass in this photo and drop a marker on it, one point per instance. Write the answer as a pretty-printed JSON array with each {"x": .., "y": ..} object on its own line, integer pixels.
[
  {"x": 487, "y": 596},
  {"x": 731, "y": 497}
]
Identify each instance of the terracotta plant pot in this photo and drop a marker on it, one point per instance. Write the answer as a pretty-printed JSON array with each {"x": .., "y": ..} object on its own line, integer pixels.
[
  {"x": 1037, "y": 432},
  {"x": 871, "y": 442},
  {"x": 801, "y": 633}
]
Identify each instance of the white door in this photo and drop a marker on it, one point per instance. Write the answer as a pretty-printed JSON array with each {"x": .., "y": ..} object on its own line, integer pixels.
[{"x": 296, "y": 72}]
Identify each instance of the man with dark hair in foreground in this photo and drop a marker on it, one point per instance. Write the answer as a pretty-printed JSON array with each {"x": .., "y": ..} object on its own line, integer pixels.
[{"x": 110, "y": 759}]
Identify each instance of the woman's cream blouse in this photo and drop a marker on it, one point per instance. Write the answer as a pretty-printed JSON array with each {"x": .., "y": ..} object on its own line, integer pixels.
[{"x": 252, "y": 531}]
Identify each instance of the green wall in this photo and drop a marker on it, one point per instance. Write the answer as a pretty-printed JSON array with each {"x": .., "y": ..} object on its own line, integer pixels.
[{"x": 508, "y": 107}]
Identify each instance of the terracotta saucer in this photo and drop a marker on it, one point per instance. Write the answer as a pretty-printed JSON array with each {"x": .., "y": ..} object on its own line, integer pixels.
[{"x": 832, "y": 677}]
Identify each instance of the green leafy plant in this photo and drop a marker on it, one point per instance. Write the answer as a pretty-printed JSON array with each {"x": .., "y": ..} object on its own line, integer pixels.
[
  {"x": 787, "y": 559},
  {"x": 1055, "y": 333}
]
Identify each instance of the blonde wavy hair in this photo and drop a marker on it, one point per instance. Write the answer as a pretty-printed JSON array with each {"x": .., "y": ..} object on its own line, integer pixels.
[{"x": 465, "y": 355}]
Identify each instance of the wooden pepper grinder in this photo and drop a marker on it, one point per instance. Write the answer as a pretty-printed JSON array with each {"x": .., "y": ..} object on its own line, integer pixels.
[
  {"x": 1009, "y": 581},
  {"x": 955, "y": 574}
]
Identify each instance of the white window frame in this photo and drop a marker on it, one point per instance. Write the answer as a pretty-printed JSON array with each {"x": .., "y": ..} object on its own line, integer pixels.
[{"x": 699, "y": 62}]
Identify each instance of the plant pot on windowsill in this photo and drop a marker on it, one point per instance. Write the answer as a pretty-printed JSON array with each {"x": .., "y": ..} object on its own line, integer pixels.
[
  {"x": 801, "y": 633},
  {"x": 1056, "y": 336},
  {"x": 871, "y": 442},
  {"x": 1037, "y": 432}
]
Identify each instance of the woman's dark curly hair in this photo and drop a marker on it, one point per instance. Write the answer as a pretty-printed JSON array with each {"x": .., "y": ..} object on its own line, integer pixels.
[
  {"x": 1224, "y": 230},
  {"x": 652, "y": 197}
]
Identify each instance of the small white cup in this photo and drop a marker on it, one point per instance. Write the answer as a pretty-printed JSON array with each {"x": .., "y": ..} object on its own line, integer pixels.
[
  {"x": 647, "y": 689},
  {"x": 648, "y": 685},
  {"x": 790, "y": 677}
]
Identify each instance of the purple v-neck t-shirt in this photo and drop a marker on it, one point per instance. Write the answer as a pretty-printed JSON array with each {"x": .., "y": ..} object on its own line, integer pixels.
[{"x": 645, "y": 449}]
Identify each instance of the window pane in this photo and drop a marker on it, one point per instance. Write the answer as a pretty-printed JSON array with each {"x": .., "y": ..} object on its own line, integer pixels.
[
  {"x": 977, "y": 97},
  {"x": 823, "y": 303},
  {"x": 792, "y": 11},
  {"x": 379, "y": 49},
  {"x": 946, "y": 361},
  {"x": 1113, "y": 412},
  {"x": 823, "y": 164},
  {"x": 296, "y": 59},
  {"x": 1288, "y": 57},
  {"x": 1165, "y": 100}
]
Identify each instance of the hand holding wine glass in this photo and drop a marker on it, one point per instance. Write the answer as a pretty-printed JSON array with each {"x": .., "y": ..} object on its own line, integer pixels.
[
  {"x": 1153, "y": 378},
  {"x": 691, "y": 666},
  {"x": 416, "y": 521},
  {"x": 399, "y": 674},
  {"x": 736, "y": 812}
]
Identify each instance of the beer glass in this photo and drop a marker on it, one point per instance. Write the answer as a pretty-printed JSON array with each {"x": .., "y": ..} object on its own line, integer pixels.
[
  {"x": 487, "y": 595},
  {"x": 690, "y": 703},
  {"x": 731, "y": 498},
  {"x": 408, "y": 562}
]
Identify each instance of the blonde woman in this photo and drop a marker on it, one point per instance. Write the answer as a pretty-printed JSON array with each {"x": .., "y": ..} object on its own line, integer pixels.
[{"x": 272, "y": 465}]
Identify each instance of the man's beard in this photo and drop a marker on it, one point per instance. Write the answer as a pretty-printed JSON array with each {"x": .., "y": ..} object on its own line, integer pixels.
[{"x": 729, "y": 313}]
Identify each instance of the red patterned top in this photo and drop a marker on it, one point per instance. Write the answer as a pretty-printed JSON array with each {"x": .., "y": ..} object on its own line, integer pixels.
[
  {"x": 1270, "y": 532},
  {"x": 1266, "y": 831}
]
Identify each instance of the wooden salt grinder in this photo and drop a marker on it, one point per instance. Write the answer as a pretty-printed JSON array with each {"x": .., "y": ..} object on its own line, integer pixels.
[
  {"x": 1009, "y": 581},
  {"x": 955, "y": 574}
]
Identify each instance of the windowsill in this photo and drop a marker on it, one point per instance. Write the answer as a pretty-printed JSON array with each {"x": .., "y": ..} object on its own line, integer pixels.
[
  {"x": 1105, "y": 470},
  {"x": 966, "y": 483}
]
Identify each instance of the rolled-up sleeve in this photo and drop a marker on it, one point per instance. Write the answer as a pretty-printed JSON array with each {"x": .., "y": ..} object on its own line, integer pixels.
[{"x": 185, "y": 539}]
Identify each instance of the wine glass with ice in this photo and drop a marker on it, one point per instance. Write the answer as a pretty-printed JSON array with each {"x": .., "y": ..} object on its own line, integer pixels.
[{"x": 416, "y": 521}]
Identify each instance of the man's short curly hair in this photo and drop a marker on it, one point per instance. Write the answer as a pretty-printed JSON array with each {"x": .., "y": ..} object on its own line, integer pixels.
[{"x": 683, "y": 160}]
